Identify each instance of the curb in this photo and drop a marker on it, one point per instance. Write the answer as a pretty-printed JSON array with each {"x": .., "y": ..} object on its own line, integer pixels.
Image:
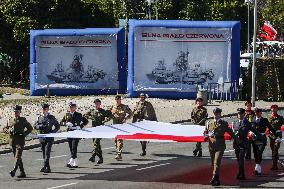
[{"x": 32, "y": 146}]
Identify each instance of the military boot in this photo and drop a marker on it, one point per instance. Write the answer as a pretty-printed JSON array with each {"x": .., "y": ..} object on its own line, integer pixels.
[
  {"x": 195, "y": 152},
  {"x": 47, "y": 168},
  {"x": 274, "y": 165},
  {"x": 22, "y": 173},
  {"x": 143, "y": 153},
  {"x": 92, "y": 158},
  {"x": 199, "y": 153},
  {"x": 143, "y": 145},
  {"x": 42, "y": 169},
  {"x": 215, "y": 180},
  {"x": 101, "y": 159},
  {"x": 13, "y": 172}
]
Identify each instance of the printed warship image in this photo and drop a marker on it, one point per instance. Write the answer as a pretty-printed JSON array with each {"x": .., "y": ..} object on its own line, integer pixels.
[
  {"x": 182, "y": 71},
  {"x": 75, "y": 73}
]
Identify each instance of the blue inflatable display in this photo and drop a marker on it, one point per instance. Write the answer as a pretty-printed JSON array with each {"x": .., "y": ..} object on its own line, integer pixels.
[
  {"x": 77, "y": 61},
  {"x": 171, "y": 58}
]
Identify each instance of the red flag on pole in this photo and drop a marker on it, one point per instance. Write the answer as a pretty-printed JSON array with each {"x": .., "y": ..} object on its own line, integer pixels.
[{"x": 268, "y": 33}]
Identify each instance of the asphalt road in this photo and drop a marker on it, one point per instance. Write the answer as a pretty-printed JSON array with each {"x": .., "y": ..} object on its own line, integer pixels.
[{"x": 167, "y": 165}]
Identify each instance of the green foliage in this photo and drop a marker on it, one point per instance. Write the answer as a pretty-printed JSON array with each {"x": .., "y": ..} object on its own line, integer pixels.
[
  {"x": 4, "y": 138},
  {"x": 18, "y": 17},
  {"x": 269, "y": 82},
  {"x": 274, "y": 12}
]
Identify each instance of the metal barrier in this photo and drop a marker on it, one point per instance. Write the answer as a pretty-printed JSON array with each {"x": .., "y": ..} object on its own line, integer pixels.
[{"x": 223, "y": 91}]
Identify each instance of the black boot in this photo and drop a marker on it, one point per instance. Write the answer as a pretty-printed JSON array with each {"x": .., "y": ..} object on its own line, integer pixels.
[
  {"x": 42, "y": 169},
  {"x": 13, "y": 172},
  {"x": 215, "y": 181},
  {"x": 93, "y": 158},
  {"x": 195, "y": 152},
  {"x": 22, "y": 175},
  {"x": 47, "y": 168},
  {"x": 143, "y": 153},
  {"x": 199, "y": 153},
  {"x": 143, "y": 146},
  {"x": 21, "y": 167},
  {"x": 101, "y": 159}
]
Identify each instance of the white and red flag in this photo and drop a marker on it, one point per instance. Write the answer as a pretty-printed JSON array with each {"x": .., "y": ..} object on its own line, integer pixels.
[{"x": 268, "y": 33}]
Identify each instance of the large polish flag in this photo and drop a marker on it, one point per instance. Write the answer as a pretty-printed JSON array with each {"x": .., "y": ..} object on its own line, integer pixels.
[{"x": 141, "y": 131}]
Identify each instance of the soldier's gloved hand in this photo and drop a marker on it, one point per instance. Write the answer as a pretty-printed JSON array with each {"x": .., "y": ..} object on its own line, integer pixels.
[
  {"x": 78, "y": 128},
  {"x": 69, "y": 125},
  {"x": 206, "y": 138}
]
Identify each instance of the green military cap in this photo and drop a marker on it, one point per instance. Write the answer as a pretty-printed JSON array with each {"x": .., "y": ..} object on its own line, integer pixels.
[
  {"x": 17, "y": 108},
  {"x": 241, "y": 111},
  {"x": 217, "y": 110}
]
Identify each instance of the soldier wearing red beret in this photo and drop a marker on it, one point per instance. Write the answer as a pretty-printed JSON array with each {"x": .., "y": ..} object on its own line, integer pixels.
[{"x": 276, "y": 121}]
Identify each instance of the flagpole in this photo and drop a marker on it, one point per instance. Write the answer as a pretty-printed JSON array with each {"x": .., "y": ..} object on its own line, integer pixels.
[
  {"x": 248, "y": 27},
  {"x": 254, "y": 55}
]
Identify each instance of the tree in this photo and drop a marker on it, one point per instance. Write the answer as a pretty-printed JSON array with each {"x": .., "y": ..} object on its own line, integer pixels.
[{"x": 18, "y": 17}]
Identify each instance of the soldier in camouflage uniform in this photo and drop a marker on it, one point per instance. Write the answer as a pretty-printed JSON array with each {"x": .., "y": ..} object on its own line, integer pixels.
[
  {"x": 98, "y": 116},
  {"x": 198, "y": 117},
  {"x": 74, "y": 121},
  {"x": 44, "y": 125},
  {"x": 120, "y": 113},
  {"x": 276, "y": 121},
  {"x": 249, "y": 115},
  {"x": 241, "y": 129},
  {"x": 214, "y": 133},
  {"x": 18, "y": 128},
  {"x": 143, "y": 110}
]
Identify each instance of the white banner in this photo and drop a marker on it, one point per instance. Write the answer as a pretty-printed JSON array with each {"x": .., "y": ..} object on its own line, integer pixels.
[
  {"x": 77, "y": 62},
  {"x": 180, "y": 58}
]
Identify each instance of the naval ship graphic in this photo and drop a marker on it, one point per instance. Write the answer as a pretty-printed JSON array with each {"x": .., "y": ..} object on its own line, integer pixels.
[
  {"x": 182, "y": 72},
  {"x": 76, "y": 73}
]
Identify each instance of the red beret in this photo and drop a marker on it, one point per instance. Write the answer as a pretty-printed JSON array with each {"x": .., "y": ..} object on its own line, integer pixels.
[
  {"x": 247, "y": 102},
  {"x": 274, "y": 106}
]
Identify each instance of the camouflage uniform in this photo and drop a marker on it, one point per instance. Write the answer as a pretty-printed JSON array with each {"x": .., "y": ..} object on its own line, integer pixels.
[
  {"x": 98, "y": 117},
  {"x": 144, "y": 110},
  {"x": 276, "y": 122},
  {"x": 214, "y": 133},
  {"x": 249, "y": 115},
  {"x": 198, "y": 117},
  {"x": 119, "y": 117},
  {"x": 18, "y": 128},
  {"x": 44, "y": 125}
]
